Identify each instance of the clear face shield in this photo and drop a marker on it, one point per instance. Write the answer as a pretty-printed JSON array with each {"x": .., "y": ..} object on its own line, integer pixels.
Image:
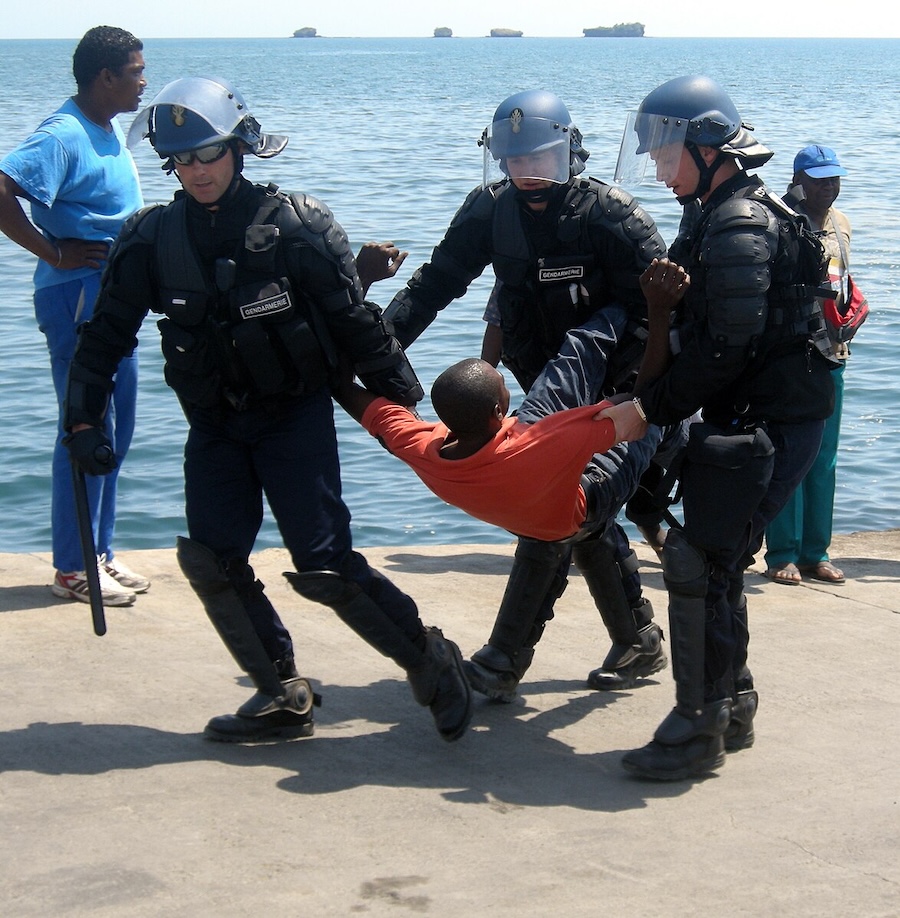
[
  {"x": 659, "y": 138},
  {"x": 526, "y": 148}
]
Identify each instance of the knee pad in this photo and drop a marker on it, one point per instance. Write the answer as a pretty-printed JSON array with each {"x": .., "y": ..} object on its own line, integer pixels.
[
  {"x": 201, "y": 567},
  {"x": 539, "y": 552},
  {"x": 228, "y": 613},
  {"x": 685, "y": 567},
  {"x": 326, "y": 587}
]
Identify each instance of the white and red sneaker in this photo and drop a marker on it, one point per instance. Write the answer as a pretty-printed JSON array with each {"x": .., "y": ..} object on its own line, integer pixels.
[
  {"x": 74, "y": 585},
  {"x": 124, "y": 575}
]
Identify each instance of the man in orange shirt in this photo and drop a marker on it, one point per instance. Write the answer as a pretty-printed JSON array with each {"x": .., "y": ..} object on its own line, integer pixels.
[{"x": 553, "y": 472}]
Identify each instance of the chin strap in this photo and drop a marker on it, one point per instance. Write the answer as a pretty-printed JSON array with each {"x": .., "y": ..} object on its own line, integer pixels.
[
  {"x": 706, "y": 174},
  {"x": 543, "y": 195}
]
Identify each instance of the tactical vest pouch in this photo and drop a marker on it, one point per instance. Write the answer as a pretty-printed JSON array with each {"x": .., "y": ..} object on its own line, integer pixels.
[
  {"x": 276, "y": 345},
  {"x": 185, "y": 307},
  {"x": 255, "y": 307},
  {"x": 259, "y": 358},
  {"x": 724, "y": 478},
  {"x": 190, "y": 368},
  {"x": 305, "y": 353}
]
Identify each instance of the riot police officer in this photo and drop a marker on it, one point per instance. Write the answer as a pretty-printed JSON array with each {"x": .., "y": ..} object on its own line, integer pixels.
[
  {"x": 259, "y": 295},
  {"x": 562, "y": 248},
  {"x": 749, "y": 356}
]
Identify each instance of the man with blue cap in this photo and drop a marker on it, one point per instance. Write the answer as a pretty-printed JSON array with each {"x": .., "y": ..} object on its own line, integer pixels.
[{"x": 797, "y": 539}]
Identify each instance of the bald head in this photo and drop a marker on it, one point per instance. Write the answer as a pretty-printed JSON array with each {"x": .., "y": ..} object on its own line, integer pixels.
[{"x": 466, "y": 396}]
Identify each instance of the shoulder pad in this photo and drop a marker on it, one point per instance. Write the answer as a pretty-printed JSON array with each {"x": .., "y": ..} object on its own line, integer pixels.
[
  {"x": 739, "y": 213},
  {"x": 480, "y": 203},
  {"x": 314, "y": 214},
  {"x": 140, "y": 228},
  {"x": 305, "y": 216},
  {"x": 622, "y": 215},
  {"x": 614, "y": 202},
  {"x": 143, "y": 223},
  {"x": 308, "y": 218}
]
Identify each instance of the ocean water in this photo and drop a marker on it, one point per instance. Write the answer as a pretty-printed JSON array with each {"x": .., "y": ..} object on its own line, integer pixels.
[{"x": 385, "y": 131}]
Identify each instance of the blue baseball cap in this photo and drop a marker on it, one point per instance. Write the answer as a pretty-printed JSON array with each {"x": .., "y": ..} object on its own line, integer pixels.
[{"x": 818, "y": 162}]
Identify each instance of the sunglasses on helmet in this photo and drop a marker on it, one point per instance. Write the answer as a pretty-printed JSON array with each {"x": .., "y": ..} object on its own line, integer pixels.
[{"x": 205, "y": 155}]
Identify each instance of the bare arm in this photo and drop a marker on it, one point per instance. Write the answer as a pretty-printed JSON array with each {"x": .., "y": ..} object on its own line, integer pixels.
[
  {"x": 15, "y": 225},
  {"x": 664, "y": 283},
  {"x": 351, "y": 396},
  {"x": 492, "y": 344}
]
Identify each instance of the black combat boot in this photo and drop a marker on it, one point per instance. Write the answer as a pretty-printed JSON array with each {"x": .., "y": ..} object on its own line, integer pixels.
[
  {"x": 690, "y": 740},
  {"x": 440, "y": 683},
  {"x": 636, "y": 650},
  {"x": 263, "y": 716},
  {"x": 739, "y": 734},
  {"x": 687, "y": 744},
  {"x": 626, "y": 663},
  {"x": 282, "y": 705},
  {"x": 495, "y": 674}
]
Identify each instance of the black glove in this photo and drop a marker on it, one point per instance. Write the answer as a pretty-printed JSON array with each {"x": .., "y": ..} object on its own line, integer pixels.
[{"x": 91, "y": 450}]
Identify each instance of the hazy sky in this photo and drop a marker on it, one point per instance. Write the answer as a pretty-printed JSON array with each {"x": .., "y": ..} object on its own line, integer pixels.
[{"x": 401, "y": 18}]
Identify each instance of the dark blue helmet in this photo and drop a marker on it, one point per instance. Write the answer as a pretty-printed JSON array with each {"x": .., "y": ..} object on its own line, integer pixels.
[
  {"x": 689, "y": 110},
  {"x": 534, "y": 124}
]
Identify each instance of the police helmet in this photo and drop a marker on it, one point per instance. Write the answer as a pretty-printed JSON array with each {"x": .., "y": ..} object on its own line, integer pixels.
[
  {"x": 195, "y": 112},
  {"x": 686, "y": 110},
  {"x": 534, "y": 125}
]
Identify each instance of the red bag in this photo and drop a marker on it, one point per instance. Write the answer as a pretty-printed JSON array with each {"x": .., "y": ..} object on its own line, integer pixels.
[{"x": 844, "y": 322}]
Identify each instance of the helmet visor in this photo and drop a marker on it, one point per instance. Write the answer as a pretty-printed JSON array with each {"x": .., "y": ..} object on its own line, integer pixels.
[
  {"x": 204, "y": 110},
  {"x": 526, "y": 148},
  {"x": 650, "y": 137}
]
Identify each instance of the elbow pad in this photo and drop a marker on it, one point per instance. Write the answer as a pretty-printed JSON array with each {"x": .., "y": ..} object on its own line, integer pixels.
[
  {"x": 392, "y": 376},
  {"x": 404, "y": 321}
]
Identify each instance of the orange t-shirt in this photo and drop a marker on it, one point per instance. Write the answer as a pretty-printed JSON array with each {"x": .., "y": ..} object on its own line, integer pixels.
[{"x": 527, "y": 479}]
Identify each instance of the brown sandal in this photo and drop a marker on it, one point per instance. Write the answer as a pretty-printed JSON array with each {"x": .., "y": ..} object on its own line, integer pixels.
[
  {"x": 824, "y": 571},
  {"x": 788, "y": 574}
]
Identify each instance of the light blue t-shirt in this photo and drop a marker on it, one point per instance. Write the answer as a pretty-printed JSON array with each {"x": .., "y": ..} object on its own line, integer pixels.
[{"x": 81, "y": 180}]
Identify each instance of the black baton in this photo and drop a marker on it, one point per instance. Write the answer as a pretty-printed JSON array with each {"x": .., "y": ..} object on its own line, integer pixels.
[{"x": 88, "y": 549}]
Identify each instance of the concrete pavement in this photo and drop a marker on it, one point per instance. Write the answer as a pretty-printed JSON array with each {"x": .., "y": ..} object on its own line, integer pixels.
[{"x": 112, "y": 803}]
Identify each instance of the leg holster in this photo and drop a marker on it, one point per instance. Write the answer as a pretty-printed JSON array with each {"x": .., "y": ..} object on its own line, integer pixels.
[
  {"x": 366, "y": 611},
  {"x": 686, "y": 573},
  {"x": 536, "y": 581},
  {"x": 724, "y": 478},
  {"x": 228, "y": 614}
]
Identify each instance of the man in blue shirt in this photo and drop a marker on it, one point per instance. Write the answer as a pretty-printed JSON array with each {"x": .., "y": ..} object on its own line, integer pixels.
[{"x": 81, "y": 182}]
